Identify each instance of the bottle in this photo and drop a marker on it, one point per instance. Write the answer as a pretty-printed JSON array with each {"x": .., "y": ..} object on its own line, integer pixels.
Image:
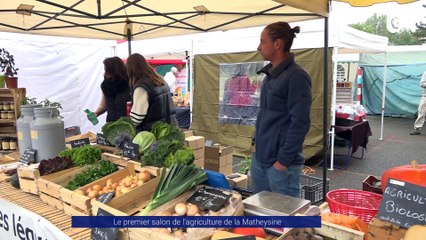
[
  {"x": 128, "y": 108},
  {"x": 91, "y": 116}
]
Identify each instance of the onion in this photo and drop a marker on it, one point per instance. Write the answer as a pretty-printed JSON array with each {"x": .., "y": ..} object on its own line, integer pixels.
[
  {"x": 144, "y": 175},
  {"x": 192, "y": 210},
  {"x": 181, "y": 209}
]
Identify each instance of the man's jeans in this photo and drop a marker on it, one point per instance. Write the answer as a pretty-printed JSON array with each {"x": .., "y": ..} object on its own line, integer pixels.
[{"x": 270, "y": 179}]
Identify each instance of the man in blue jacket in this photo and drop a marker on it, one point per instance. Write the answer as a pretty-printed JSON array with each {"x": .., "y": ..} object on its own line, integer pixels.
[{"x": 283, "y": 119}]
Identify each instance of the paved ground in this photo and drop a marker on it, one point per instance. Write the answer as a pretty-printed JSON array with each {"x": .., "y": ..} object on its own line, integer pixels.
[{"x": 396, "y": 148}]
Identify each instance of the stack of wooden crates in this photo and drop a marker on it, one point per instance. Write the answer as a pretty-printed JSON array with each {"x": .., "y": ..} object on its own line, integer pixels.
[
  {"x": 196, "y": 143},
  {"x": 219, "y": 158}
]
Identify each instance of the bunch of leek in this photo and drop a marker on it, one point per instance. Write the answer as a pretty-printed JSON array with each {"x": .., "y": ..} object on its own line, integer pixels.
[{"x": 179, "y": 179}]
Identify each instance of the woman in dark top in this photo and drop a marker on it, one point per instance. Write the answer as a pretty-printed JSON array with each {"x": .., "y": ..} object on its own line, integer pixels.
[
  {"x": 152, "y": 101},
  {"x": 115, "y": 90}
]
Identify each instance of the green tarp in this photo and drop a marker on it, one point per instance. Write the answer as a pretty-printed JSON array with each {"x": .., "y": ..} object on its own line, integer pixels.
[
  {"x": 404, "y": 70},
  {"x": 205, "y": 110}
]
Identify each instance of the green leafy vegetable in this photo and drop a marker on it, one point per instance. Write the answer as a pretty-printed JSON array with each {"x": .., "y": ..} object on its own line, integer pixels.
[
  {"x": 83, "y": 155},
  {"x": 159, "y": 150},
  {"x": 93, "y": 173},
  {"x": 165, "y": 131},
  {"x": 119, "y": 131},
  {"x": 179, "y": 179},
  {"x": 183, "y": 156},
  {"x": 144, "y": 139}
]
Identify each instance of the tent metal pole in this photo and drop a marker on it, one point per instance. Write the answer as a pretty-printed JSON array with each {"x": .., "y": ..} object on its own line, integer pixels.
[
  {"x": 385, "y": 69},
  {"x": 129, "y": 40},
  {"x": 325, "y": 125},
  {"x": 333, "y": 107}
]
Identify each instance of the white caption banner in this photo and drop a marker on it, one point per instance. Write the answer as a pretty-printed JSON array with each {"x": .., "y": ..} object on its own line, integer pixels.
[{"x": 19, "y": 223}]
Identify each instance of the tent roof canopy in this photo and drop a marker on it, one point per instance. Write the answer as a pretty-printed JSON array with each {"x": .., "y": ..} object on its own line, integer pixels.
[{"x": 112, "y": 19}]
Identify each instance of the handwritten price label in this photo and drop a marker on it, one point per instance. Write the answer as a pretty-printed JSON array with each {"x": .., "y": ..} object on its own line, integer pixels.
[{"x": 80, "y": 142}]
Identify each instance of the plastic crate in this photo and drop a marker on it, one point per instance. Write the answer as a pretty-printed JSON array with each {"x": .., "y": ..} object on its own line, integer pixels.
[
  {"x": 312, "y": 188},
  {"x": 370, "y": 184}
]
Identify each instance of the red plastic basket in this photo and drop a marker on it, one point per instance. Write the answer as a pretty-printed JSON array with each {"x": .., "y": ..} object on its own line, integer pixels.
[{"x": 357, "y": 203}]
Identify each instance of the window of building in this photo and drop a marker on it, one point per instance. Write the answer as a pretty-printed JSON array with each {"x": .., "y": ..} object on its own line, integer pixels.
[{"x": 341, "y": 73}]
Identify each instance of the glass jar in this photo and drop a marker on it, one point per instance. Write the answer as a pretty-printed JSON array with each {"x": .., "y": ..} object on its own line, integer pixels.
[
  {"x": 1, "y": 140},
  {"x": 5, "y": 143},
  {"x": 6, "y": 106},
  {"x": 1, "y": 106},
  {"x": 10, "y": 114},
  {"x": 12, "y": 106},
  {"x": 3, "y": 114},
  {"x": 12, "y": 143}
]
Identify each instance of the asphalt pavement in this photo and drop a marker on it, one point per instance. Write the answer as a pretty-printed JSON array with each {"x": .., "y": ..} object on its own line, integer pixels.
[{"x": 396, "y": 148}]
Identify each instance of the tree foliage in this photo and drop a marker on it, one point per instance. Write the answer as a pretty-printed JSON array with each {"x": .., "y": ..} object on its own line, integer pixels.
[
  {"x": 420, "y": 32},
  {"x": 376, "y": 24}
]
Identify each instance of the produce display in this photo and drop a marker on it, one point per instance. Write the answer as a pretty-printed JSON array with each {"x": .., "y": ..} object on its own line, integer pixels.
[
  {"x": 119, "y": 131},
  {"x": 144, "y": 139},
  {"x": 54, "y": 165},
  {"x": 179, "y": 179},
  {"x": 83, "y": 155},
  {"x": 415, "y": 232},
  {"x": 346, "y": 221},
  {"x": 120, "y": 187},
  {"x": 168, "y": 147},
  {"x": 96, "y": 171}
]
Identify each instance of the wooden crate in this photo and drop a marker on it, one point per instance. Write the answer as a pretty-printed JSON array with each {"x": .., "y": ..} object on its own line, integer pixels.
[
  {"x": 49, "y": 186},
  {"x": 107, "y": 149},
  {"x": 194, "y": 142},
  {"x": 383, "y": 230},
  {"x": 90, "y": 135},
  {"x": 119, "y": 160},
  {"x": 27, "y": 176},
  {"x": 135, "y": 200},
  {"x": 235, "y": 208},
  {"x": 75, "y": 204}
]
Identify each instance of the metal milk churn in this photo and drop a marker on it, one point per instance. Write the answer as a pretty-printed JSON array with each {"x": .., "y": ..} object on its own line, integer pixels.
[
  {"x": 23, "y": 126},
  {"x": 47, "y": 133}
]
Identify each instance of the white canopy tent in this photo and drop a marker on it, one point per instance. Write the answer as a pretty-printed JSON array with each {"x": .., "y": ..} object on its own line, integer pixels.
[{"x": 136, "y": 19}]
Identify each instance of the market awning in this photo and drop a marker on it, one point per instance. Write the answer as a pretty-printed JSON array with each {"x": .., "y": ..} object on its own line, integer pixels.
[
  {"x": 118, "y": 19},
  {"x": 365, "y": 3}
]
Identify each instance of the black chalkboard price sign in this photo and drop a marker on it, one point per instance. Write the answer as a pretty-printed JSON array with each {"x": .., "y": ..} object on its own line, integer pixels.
[
  {"x": 105, "y": 198},
  {"x": 403, "y": 204},
  {"x": 209, "y": 198},
  {"x": 104, "y": 233},
  {"x": 79, "y": 142},
  {"x": 101, "y": 139},
  {"x": 131, "y": 150},
  {"x": 28, "y": 156}
]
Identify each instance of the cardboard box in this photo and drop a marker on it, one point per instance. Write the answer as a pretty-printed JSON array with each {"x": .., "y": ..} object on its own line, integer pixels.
[
  {"x": 239, "y": 182},
  {"x": 217, "y": 151},
  {"x": 194, "y": 142},
  {"x": 383, "y": 230}
]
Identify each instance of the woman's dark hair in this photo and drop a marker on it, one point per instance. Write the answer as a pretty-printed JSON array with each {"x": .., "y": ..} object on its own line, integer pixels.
[
  {"x": 138, "y": 69},
  {"x": 116, "y": 68},
  {"x": 282, "y": 30}
]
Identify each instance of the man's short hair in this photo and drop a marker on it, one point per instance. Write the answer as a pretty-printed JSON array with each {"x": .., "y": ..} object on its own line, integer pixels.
[{"x": 174, "y": 70}]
